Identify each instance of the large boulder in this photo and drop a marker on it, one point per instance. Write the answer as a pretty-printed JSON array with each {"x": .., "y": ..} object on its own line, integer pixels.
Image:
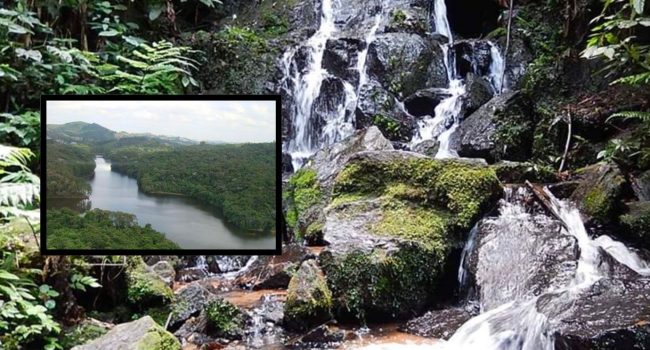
[
  {"x": 188, "y": 302},
  {"x": 391, "y": 213},
  {"x": 144, "y": 286},
  {"x": 541, "y": 255},
  {"x": 309, "y": 300},
  {"x": 273, "y": 271},
  {"x": 440, "y": 324},
  {"x": 404, "y": 63},
  {"x": 600, "y": 192},
  {"x": 140, "y": 334},
  {"x": 500, "y": 129}
]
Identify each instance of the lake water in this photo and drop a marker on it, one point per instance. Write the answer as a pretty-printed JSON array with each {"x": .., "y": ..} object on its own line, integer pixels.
[{"x": 187, "y": 222}]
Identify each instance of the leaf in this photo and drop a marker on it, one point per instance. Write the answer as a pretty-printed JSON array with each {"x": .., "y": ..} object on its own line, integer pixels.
[
  {"x": 110, "y": 32},
  {"x": 154, "y": 12},
  {"x": 638, "y": 6},
  {"x": 50, "y": 304},
  {"x": 8, "y": 276}
]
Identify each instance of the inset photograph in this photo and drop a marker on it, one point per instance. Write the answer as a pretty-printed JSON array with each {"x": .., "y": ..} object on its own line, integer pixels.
[{"x": 160, "y": 174}]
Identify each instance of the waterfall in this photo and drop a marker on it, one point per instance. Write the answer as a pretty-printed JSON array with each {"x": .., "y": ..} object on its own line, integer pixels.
[
  {"x": 308, "y": 133},
  {"x": 447, "y": 114},
  {"x": 467, "y": 249},
  {"x": 516, "y": 324}
]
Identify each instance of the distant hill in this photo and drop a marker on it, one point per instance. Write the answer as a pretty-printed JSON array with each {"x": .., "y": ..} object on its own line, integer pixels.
[{"x": 80, "y": 132}]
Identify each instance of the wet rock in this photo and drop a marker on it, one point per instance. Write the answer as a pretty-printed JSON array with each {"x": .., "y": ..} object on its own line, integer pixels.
[
  {"x": 376, "y": 106},
  {"x": 423, "y": 102},
  {"x": 472, "y": 56},
  {"x": 543, "y": 255},
  {"x": 636, "y": 222},
  {"x": 440, "y": 324},
  {"x": 189, "y": 301},
  {"x": 143, "y": 333},
  {"x": 340, "y": 58},
  {"x": 599, "y": 193},
  {"x": 517, "y": 60},
  {"x": 165, "y": 271},
  {"x": 427, "y": 147},
  {"x": 218, "y": 319},
  {"x": 401, "y": 61},
  {"x": 377, "y": 228},
  {"x": 478, "y": 92},
  {"x": 500, "y": 129},
  {"x": 229, "y": 263},
  {"x": 190, "y": 274},
  {"x": 309, "y": 300},
  {"x": 520, "y": 172},
  {"x": 270, "y": 272},
  {"x": 407, "y": 20},
  {"x": 564, "y": 189},
  {"x": 287, "y": 165},
  {"x": 641, "y": 186},
  {"x": 322, "y": 337},
  {"x": 611, "y": 314}
]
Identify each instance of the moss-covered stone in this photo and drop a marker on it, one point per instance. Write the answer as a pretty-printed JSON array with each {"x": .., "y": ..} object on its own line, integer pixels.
[
  {"x": 392, "y": 222},
  {"x": 309, "y": 300},
  {"x": 636, "y": 222},
  {"x": 141, "y": 334},
  {"x": 225, "y": 320},
  {"x": 81, "y": 334},
  {"x": 600, "y": 191},
  {"x": 302, "y": 193},
  {"x": 144, "y": 286}
]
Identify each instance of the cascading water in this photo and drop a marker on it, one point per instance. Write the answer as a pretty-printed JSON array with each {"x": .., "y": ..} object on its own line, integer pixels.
[
  {"x": 447, "y": 114},
  {"x": 516, "y": 324},
  {"x": 308, "y": 133}
]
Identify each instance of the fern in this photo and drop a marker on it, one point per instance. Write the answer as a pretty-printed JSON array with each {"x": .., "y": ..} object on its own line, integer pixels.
[
  {"x": 643, "y": 117},
  {"x": 19, "y": 188},
  {"x": 636, "y": 79}
]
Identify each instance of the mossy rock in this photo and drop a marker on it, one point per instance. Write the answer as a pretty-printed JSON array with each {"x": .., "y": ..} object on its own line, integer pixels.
[
  {"x": 144, "y": 287},
  {"x": 636, "y": 222},
  {"x": 81, "y": 334},
  {"x": 301, "y": 197},
  {"x": 142, "y": 334},
  {"x": 600, "y": 192},
  {"x": 224, "y": 320},
  {"x": 392, "y": 222},
  {"x": 309, "y": 300}
]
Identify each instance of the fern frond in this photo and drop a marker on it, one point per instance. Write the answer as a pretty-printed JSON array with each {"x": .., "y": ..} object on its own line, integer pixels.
[
  {"x": 18, "y": 194},
  {"x": 631, "y": 115},
  {"x": 635, "y": 79},
  {"x": 14, "y": 156}
]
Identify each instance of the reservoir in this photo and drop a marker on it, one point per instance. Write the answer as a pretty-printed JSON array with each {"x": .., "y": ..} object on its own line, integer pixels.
[{"x": 192, "y": 225}]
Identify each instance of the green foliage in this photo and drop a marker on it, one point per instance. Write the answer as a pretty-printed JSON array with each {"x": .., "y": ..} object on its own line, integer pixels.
[
  {"x": 19, "y": 188},
  {"x": 158, "y": 68},
  {"x": 236, "y": 179},
  {"x": 302, "y": 192},
  {"x": 389, "y": 126},
  {"x": 144, "y": 287},
  {"x": 100, "y": 229},
  {"x": 23, "y": 129},
  {"x": 224, "y": 318},
  {"x": 80, "y": 334},
  {"x": 24, "y": 311},
  {"x": 68, "y": 169}
]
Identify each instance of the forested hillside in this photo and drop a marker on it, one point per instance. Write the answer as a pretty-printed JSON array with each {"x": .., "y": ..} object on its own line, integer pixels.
[
  {"x": 237, "y": 179},
  {"x": 101, "y": 229},
  {"x": 80, "y": 132},
  {"x": 69, "y": 167}
]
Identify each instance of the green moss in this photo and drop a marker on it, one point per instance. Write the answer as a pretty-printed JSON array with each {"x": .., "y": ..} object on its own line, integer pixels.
[
  {"x": 159, "y": 314},
  {"x": 80, "y": 334},
  {"x": 314, "y": 230},
  {"x": 309, "y": 300},
  {"x": 399, "y": 16},
  {"x": 303, "y": 192},
  {"x": 376, "y": 284},
  {"x": 421, "y": 224},
  {"x": 345, "y": 198},
  {"x": 144, "y": 287},
  {"x": 461, "y": 189},
  {"x": 224, "y": 318},
  {"x": 158, "y": 339},
  {"x": 597, "y": 203}
]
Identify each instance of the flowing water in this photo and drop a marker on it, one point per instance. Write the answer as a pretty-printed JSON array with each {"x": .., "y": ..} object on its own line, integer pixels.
[
  {"x": 516, "y": 324},
  {"x": 314, "y": 127},
  {"x": 448, "y": 113}
]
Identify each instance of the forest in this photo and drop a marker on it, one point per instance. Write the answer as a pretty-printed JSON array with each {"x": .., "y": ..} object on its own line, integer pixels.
[
  {"x": 69, "y": 168},
  {"x": 101, "y": 229},
  {"x": 455, "y": 173}
]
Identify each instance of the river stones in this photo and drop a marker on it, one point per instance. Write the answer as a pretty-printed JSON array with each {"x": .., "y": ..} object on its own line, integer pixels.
[
  {"x": 273, "y": 271},
  {"x": 309, "y": 300}
]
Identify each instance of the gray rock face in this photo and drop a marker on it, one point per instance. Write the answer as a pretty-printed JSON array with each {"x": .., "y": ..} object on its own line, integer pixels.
[
  {"x": 476, "y": 136},
  {"x": 520, "y": 254},
  {"x": 438, "y": 323},
  {"x": 423, "y": 102},
  {"x": 165, "y": 271},
  {"x": 329, "y": 161},
  {"x": 400, "y": 62},
  {"x": 143, "y": 333},
  {"x": 479, "y": 92},
  {"x": 376, "y": 106},
  {"x": 189, "y": 301},
  {"x": 341, "y": 56}
]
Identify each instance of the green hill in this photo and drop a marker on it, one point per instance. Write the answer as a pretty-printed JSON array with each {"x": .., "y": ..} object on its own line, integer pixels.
[{"x": 80, "y": 132}]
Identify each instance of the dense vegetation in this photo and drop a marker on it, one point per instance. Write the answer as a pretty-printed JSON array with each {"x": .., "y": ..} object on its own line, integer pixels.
[
  {"x": 68, "y": 169},
  {"x": 238, "y": 180},
  {"x": 101, "y": 229}
]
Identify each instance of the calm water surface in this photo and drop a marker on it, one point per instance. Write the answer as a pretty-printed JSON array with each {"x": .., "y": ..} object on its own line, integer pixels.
[{"x": 183, "y": 220}]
